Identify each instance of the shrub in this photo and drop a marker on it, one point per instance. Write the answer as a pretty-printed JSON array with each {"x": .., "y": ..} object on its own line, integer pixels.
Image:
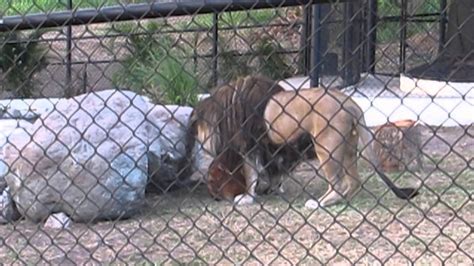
[
  {"x": 270, "y": 62},
  {"x": 156, "y": 67},
  {"x": 21, "y": 57},
  {"x": 265, "y": 59}
]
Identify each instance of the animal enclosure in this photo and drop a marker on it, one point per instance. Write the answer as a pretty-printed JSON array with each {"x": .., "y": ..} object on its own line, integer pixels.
[{"x": 140, "y": 131}]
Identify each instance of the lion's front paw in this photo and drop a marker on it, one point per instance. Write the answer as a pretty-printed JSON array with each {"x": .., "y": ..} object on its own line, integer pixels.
[
  {"x": 281, "y": 190},
  {"x": 243, "y": 199}
]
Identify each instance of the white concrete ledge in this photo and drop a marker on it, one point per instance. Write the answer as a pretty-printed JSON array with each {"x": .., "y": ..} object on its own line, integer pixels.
[
  {"x": 443, "y": 110},
  {"x": 437, "y": 88},
  {"x": 434, "y": 111}
]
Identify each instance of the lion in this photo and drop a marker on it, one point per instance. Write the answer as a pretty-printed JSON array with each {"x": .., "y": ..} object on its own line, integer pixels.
[
  {"x": 231, "y": 118},
  {"x": 254, "y": 115}
]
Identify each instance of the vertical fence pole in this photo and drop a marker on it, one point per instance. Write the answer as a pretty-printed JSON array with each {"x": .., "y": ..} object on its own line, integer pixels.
[
  {"x": 442, "y": 25},
  {"x": 84, "y": 79},
  {"x": 347, "y": 50},
  {"x": 315, "y": 68},
  {"x": 403, "y": 35},
  {"x": 68, "y": 92},
  {"x": 306, "y": 40},
  {"x": 215, "y": 48},
  {"x": 371, "y": 35}
]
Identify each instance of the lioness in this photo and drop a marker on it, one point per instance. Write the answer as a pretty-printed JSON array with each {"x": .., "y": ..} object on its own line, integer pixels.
[{"x": 335, "y": 123}]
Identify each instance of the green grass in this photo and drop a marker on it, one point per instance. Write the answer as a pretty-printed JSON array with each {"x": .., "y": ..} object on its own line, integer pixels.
[{"x": 235, "y": 18}]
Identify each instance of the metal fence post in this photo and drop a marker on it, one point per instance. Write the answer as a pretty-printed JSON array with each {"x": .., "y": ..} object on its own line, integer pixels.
[
  {"x": 306, "y": 40},
  {"x": 351, "y": 68},
  {"x": 371, "y": 35},
  {"x": 215, "y": 48},
  {"x": 315, "y": 68},
  {"x": 403, "y": 34},
  {"x": 68, "y": 92},
  {"x": 442, "y": 25}
]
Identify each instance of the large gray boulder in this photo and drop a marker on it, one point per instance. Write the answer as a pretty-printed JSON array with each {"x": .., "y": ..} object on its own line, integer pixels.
[
  {"x": 168, "y": 163},
  {"x": 86, "y": 158}
]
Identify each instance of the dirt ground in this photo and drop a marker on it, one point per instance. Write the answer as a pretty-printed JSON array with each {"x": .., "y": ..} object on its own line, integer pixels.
[{"x": 374, "y": 228}]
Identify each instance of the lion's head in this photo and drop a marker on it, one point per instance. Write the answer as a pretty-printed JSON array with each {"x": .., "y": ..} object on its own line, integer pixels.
[{"x": 225, "y": 176}]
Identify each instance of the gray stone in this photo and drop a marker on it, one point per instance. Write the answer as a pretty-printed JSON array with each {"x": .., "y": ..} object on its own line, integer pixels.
[
  {"x": 58, "y": 221},
  {"x": 167, "y": 158},
  {"x": 170, "y": 122},
  {"x": 86, "y": 158},
  {"x": 8, "y": 210},
  {"x": 8, "y": 127}
]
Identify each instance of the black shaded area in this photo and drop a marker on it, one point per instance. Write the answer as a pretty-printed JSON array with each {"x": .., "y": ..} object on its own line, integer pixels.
[
  {"x": 456, "y": 59},
  {"x": 445, "y": 69}
]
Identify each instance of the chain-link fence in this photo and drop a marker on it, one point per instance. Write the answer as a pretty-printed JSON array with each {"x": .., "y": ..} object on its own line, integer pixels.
[{"x": 176, "y": 132}]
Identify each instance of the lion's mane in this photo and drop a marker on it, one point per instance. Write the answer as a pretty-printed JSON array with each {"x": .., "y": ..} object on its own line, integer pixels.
[{"x": 233, "y": 113}]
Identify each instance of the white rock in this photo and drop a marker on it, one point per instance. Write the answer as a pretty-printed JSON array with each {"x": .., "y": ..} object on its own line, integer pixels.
[
  {"x": 27, "y": 108},
  {"x": 8, "y": 211},
  {"x": 170, "y": 123},
  {"x": 168, "y": 158},
  {"x": 86, "y": 158}
]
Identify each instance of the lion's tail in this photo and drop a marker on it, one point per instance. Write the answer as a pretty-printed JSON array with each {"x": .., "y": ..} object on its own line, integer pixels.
[{"x": 367, "y": 141}]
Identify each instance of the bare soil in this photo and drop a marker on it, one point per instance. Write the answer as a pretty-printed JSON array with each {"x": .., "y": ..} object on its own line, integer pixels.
[{"x": 374, "y": 228}]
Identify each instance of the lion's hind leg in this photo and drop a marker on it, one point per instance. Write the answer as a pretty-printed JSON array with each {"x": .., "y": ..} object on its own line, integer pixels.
[
  {"x": 331, "y": 150},
  {"x": 351, "y": 176}
]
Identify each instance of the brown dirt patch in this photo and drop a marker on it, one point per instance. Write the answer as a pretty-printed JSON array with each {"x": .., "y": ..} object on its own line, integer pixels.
[{"x": 375, "y": 228}]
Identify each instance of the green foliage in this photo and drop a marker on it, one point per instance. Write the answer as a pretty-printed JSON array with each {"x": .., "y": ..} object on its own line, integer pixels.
[
  {"x": 21, "y": 57},
  {"x": 231, "y": 19},
  {"x": 270, "y": 62},
  {"x": 390, "y": 31},
  {"x": 156, "y": 68},
  {"x": 232, "y": 65},
  {"x": 265, "y": 59}
]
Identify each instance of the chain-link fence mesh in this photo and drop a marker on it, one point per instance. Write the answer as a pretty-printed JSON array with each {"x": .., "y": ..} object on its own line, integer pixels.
[{"x": 177, "y": 132}]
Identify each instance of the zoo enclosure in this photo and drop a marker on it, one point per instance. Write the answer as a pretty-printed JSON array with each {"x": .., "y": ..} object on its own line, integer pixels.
[
  {"x": 436, "y": 227},
  {"x": 339, "y": 39}
]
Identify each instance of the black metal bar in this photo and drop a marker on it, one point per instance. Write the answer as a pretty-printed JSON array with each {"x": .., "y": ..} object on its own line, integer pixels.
[
  {"x": 315, "y": 68},
  {"x": 142, "y": 11},
  {"x": 306, "y": 40},
  {"x": 371, "y": 35},
  {"x": 84, "y": 78},
  {"x": 403, "y": 35},
  {"x": 442, "y": 25},
  {"x": 397, "y": 18},
  {"x": 200, "y": 29},
  {"x": 69, "y": 55},
  {"x": 347, "y": 56},
  {"x": 215, "y": 48}
]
